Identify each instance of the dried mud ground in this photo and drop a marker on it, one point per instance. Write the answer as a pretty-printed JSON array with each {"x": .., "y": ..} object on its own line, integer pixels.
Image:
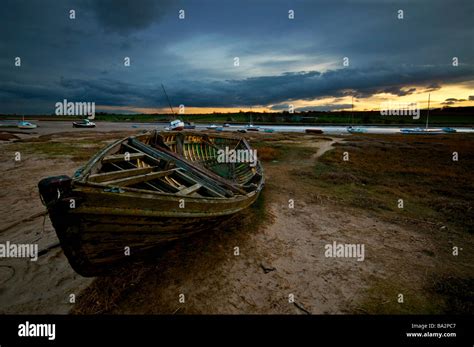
[{"x": 408, "y": 250}]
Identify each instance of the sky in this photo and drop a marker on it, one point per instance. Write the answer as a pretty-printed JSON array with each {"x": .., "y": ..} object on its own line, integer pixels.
[{"x": 282, "y": 62}]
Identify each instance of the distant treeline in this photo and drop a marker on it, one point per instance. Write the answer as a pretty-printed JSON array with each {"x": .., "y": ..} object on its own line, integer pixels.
[{"x": 462, "y": 116}]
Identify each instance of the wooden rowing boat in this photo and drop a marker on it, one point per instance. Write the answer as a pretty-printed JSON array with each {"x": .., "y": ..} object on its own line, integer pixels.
[{"x": 145, "y": 190}]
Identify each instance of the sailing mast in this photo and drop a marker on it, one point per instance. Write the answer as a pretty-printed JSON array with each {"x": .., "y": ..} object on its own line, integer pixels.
[
  {"x": 428, "y": 113},
  {"x": 352, "y": 110},
  {"x": 169, "y": 103}
]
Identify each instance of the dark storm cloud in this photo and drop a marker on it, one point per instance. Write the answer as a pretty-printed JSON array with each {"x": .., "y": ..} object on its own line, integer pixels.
[
  {"x": 83, "y": 58},
  {"x": 335, "y": 107},
  {"x": 126, "y": 16},
  {"x": 329, "y": 107},
  {"x": 452, "y": 101},
  {"x": 265, "y": 90},
  {"x": 433, "y": 87}
]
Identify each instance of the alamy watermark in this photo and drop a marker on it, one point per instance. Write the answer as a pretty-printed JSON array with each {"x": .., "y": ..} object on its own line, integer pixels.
[
  {"x": 400, "y": 109},
  {"x": 227, "y": 155},
  {"x": 28, "y": 329},
  {"x": 69, "y": 108},
  {"x": 13, "y": 250},
  {"x": 345, "y": 250}
]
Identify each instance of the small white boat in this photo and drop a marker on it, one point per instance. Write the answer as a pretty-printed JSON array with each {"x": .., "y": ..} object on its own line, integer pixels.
[
  {"x": 189, "y": 126},
  {"x": 252, "y": 127},
  {"x": 356, "y": 130},
  {"x": 176, "y": 125},
  {"x": 425, "y": 130},
  {"x": 212, "y": 127},
  {"x": 26, "y": 125},
  {"x": 350, "y": 128},
  {"x": 85, "y": 123},
  {"x": 421, "y": 131}
]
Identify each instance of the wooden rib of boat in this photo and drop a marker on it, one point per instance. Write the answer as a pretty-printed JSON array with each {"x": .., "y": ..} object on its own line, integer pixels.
[{"x": 146, "y": 190}]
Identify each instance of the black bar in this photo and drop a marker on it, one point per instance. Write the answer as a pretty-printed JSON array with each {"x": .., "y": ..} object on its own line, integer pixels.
[{"x": 245, "y": 330}]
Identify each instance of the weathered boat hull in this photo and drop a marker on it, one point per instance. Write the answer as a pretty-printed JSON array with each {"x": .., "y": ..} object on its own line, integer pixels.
[
  {"x": 95, "y": 245},
  {"x": 101, "y": 222}
]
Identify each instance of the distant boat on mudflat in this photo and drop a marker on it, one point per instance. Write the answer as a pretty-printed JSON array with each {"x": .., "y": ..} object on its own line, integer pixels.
[
  {"x": 350, "y": 128},
  {"x": 313, "y": 131},
  {"x": 176, "y": 125},
  {"x": 252, "y": 127},
  {"x": 26, "y": 125},
  {"x": 85, "y": 123},
  {"x": 189, "y": 126},
  {"x": 423, "y": 131},
  {"x": 356, "y": 130}
]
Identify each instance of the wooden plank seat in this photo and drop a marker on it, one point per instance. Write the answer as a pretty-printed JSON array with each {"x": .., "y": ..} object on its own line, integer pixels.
[{"x": 128, "y": 181}]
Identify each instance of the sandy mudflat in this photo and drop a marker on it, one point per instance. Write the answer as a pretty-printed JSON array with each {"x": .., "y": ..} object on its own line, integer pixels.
[
  {"x": 281, "y": 248},
  {"x": 26, "y": 286}
]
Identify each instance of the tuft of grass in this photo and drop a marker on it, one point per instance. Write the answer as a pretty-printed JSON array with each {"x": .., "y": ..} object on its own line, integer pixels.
[
  {"x": 78, "y": 147},
  {"x": 420, "y": 170},
  {"x": 268, "y": 153},
  {"x": 457, "y": 294},
  {"x": 8, "y": 136},
  {"x": 106, "y": 294}
]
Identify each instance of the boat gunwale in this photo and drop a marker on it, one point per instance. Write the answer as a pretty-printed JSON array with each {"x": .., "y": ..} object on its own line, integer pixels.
[
  {"x": 141, "y": 192},
  {"x": 81, "y": 178}
]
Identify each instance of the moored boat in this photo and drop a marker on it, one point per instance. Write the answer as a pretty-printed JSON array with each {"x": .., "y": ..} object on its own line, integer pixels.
[
  {"x": 421, "y": 131},
  {"x": 26, "y": 125},
  {"x": 356, "y": 130},
  {"x": 85, "y": 123},
  {"x": 176, "y": 125},
  {"x": 146, "y": 190},
  {"x": 189, "y": 126},
  {"x": 313, "y": 131},
  {"x": 252, "y": 127}
]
